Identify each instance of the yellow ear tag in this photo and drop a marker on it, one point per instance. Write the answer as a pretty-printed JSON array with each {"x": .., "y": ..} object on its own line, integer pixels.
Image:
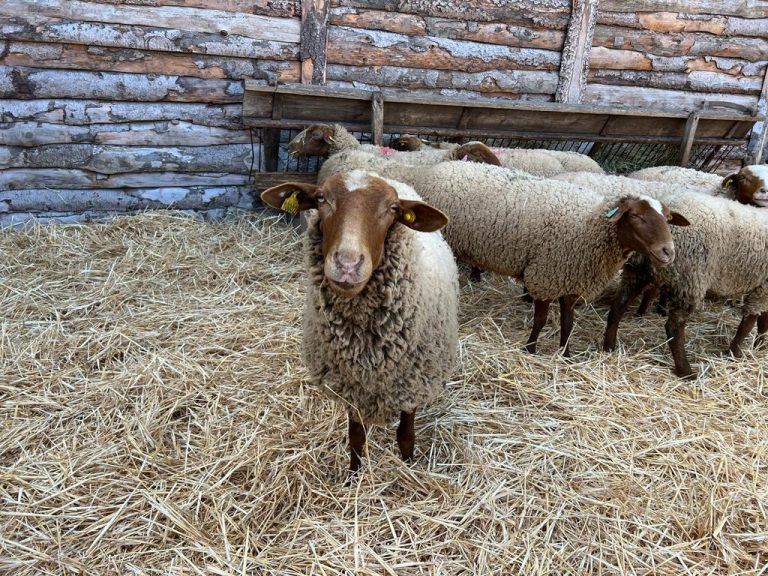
[
  {"x": 669, "y": 218},
  {"x": 727, "y": 182},
  {"x": 291, "y": 204},
  {"x": 409, "y": 217}
]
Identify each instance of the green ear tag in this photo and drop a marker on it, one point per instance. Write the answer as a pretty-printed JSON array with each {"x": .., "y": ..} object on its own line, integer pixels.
[
  {"x": 612, "y": 211},
  {"x": 291, "y": 204}
]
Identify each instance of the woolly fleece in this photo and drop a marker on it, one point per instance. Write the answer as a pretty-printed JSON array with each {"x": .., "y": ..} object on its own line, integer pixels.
[
  {"x": 546, "y": 163},
  {"x": 392, "y": 347},
  {"x": 680, "y": 175}
]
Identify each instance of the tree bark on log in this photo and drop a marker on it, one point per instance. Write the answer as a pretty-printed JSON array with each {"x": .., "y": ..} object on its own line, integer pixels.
[
  {"x": 30, "y": 178},
  {"x": 125, "y": 134},
  {"x": 574, "y": 63},
  {"x": 36, "y": 29},
  {"x": 233, "y": 159},
  {"x": 191, "y": 19},
  {"x": 274, "y": 8},
  {"x": 743, "y": 8},
  {"x": 314, "y": 38},
  {"x": 22, "y": 83},
  {"x": 692, "y": 81},
  {"x": 373, "y": 48}
]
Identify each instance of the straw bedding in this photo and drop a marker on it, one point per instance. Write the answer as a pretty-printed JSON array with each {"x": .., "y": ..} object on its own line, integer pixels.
[{"x": 155, "y": 421}]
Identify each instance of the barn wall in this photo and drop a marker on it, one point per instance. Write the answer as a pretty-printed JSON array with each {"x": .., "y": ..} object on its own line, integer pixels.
[{"x": 111, "y": 104}]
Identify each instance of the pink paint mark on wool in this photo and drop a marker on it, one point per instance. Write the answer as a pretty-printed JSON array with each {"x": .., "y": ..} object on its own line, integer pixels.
[{"x": 386, "y": 151}]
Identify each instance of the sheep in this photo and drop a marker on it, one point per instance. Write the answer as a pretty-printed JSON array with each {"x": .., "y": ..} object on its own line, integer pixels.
[
  {"x": 409, "y": 143},
  {"x": 677, "y": 174},
  {"x": 538, "y": 161},
  {"x": 380, "y": 320},
  {"x": 722, "y": 253},
  {"x": 561, "y": 241},
  {"x": 326, "y": 140},
  {"x": 749, "y": 185}
]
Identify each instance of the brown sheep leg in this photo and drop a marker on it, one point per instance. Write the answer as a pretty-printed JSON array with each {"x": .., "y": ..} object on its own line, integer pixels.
[
  {"x": 648, "y": 296},
  {"x": 567, "y": 304},
  {"x": 406, "y": 437},
  {"x": 356, "y": 444},
  {"x": 762, "y": 328},
  {"x": 675, "y": 328},
  {"x": 540, "y": 313},
  {"x": 745, "y": 327},
  {"x": 475, "y": 274},
  {"x": 626, "y": 295}
]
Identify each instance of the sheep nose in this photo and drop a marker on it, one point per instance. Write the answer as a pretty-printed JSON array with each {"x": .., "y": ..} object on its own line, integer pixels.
[
  {"x": 667, "y": 254},
  {"x": 348, "y": 262}
]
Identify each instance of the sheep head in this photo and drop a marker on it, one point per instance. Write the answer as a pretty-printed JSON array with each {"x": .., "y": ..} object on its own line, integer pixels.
[
  {"x": 313, "y": 141},
  {"x": 749, "y": 185},
  {"x": 406, "y": 143},
  {"x": 642, "y": 225},
  {"x": 356, "y": 211}
]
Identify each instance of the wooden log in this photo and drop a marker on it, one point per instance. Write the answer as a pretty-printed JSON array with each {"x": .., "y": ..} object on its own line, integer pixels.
[
  {"x": 120, "y": 200},
  {"x": 234, "y": 158},
  {"x": 550, "y": 14},
  {"x": 756, "y": 146},
  {"x": 22, "y": 83},
  {"x": 39, "y": 29},
  {"x": 377, "y": 118},
  {"x": 127, "y": 134},
  {"x": 574, "y": 63},
  {"x": 79, "y": 57},
  {"x": 264, "y": 180},
  {"x": 695, "y": 81},
  {"x": 677, "y": 44},
  {"x": 685, "y": 22},
  {"x": 743, "y": 8},
  {"x": 689, "y": 133},
  {"x": 427, "y": 93},
  {"x": 488, "y": 82},
  {"x": 414, "y": 25},
  {"x": 606, "y": 58},
  {"x": 635, "y": 97},
  {"x": 191, "y": 19},
  {"x": 355, "y": 47},
  {"x": 24, "y": 178},
  {"x": 314, "y": 37},
  {"x": 282, "y": 8},
  {"x": 75, "y": 112}
]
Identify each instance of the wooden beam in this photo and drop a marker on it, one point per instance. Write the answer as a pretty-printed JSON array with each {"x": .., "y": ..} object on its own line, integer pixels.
[
  {"x": 264, "y": 180},
  {"x": 688, "y": 135},
  {"x": 757, "y": 140},
  {"x": 574, "y": 64},
  {"x": 377, "y": 118},
  {"x": 314, "y": 39}
]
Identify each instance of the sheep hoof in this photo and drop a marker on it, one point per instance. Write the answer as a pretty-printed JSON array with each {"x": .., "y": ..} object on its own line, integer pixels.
[
  {"x": 530, "y": 348},
  {"x": 735, "y": 352},
  {"x": 686, "y": 374}
]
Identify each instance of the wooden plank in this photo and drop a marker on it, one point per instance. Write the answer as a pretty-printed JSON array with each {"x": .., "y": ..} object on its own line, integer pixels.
[
  {"x": 314, "y": 37},
  {"x": 689, "y": 134},
  {"x": 29, "y": 178},
  {"x": 321, "y": 94},
  {"x": 192, "y": 19},
  {"x": 283, "y": 9},
  {"x": 680, "y": 43},
  {"x": 234, "y": 158},
  {"x": 712, "y": 82},
  {"x": 22, "y": 82},
  {"x": 355, "y": 47},
  {"x": 92, "y": 58},
  {"x": 745, "y": 8},
  {"x": 125, "y": 134},
  {"x": 377, "y": 118},
  {"x": 487, "y": 82},
  {"x": 656, "y": 99},
  {"x": 172, "y": 39},
  {"x": 720, "y": 24},
  {"x": 574, "y": 63},
  {"x": 610, "y": 59},
  {"x": 264, "y": 180}
]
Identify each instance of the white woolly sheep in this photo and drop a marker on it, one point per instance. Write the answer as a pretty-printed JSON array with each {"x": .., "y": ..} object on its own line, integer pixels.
[
  {"x": 561, "y": 241},
  {"x": 380, "y": 321},
  {"x": 328, "y": 140},
  {"x": 722, "y": 253},
  {"x": 680, "y": 175}
]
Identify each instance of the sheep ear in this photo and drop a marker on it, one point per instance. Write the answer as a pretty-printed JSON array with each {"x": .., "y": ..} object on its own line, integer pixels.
[
  {"x": 291, "y": 197},
  {"x": 730, "y": 182},
  {"x": 677, "y": 219},
  {"x": 615, "y": 213},
  {"x": 323, "y": 132},
  {"x": 420, "y": 216}
]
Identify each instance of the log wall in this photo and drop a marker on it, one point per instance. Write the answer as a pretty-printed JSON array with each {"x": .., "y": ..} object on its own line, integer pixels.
[{"x": 138, "y": 102}]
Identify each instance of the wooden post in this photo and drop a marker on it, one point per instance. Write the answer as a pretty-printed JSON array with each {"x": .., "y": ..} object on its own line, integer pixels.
[
  {"x": 688, "y": 135},
  {"x": 377, "y": 118},
  {"x": 270, "y": 137},
  {"x": 757, "y": 139},
  {"x": 314, "y": 37},
  {"x": 574, "y": 63}
]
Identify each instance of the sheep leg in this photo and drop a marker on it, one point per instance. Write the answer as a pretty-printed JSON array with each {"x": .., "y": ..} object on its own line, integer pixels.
[
  {"x": 662, "y": 306},
  {"x": 745, "y": 327},
  {"x": 475, "y": 274},
  {"x": 675, "y": 328},
  {"x": 648, "y": 296},
  {"x": 356, "y": 444},
  {"x": 567, "y": 304},
  {"x": 762, "y": 328},
  {"x": 540, "y": 313},
  {"x": 406, "y": 437},
  {"x": 627, "y": 293}
]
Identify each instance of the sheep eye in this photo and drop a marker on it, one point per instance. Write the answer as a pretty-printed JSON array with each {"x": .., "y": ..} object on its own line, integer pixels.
[{"x": 395, "y": 208}]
